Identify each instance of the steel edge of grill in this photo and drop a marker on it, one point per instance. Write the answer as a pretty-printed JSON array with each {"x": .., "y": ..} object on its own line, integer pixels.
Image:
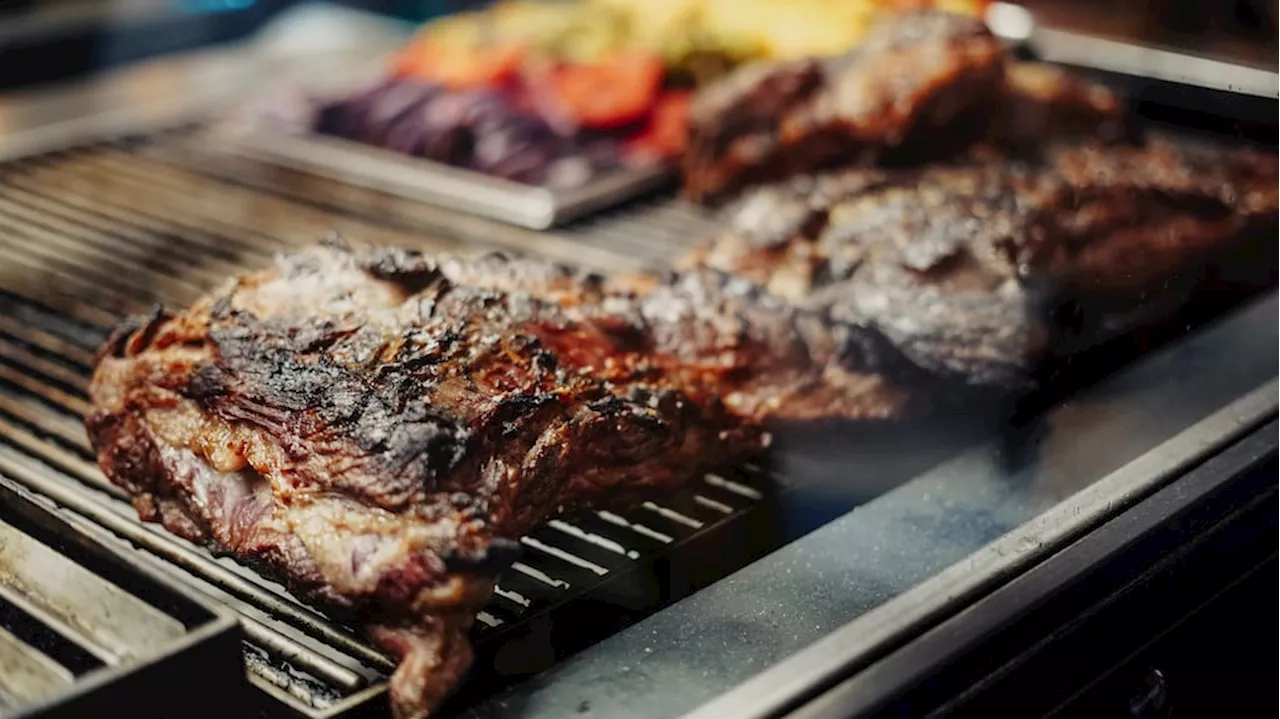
[{"x": 79, "y": 615}]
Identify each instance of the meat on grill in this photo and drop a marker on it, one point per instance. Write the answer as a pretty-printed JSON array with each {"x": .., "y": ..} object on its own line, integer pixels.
[
  {"x": 982, "y": 212},
  {"x": 975, "y": 271},
  {"x": 922, "y": 86},
  {"x": 377, "y": 429}
]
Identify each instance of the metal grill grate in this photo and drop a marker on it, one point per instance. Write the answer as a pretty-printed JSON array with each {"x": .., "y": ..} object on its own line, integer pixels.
[
  {"x": 656, "y": 228},
  {"x": 79, "y": 624},
  {"x": 648, "y": 231},
  {"x": 96, "y": 233}
]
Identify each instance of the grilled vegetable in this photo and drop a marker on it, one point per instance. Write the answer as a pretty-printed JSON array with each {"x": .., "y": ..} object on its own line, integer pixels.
[
  {"x": 610, "y": 94},
  {"x": 572, "y": 31},
  {"x": 691, "y": 31},
  {"x": 478, "y": 128},
  {"x": 667, "y": 132},
  {"x": 459, "y": 67}
]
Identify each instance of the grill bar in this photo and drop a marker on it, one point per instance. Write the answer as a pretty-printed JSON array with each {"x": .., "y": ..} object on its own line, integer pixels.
[
  {"x": 223, "y": 203},
  {"x": 16, "y": 354},
  {"x": 46, "y": 391},
  {"x": 103, "y": 619},
  {"x": 182, "y": 555},
  {"x": 73, "y": 216},
  {"x": 58, "y": 291},
  {"x": 105, "y": 257},
  {"x": 126, "y": 294},
  {"x": 146, "y": 228},
  {"x": 27, "y": 674},
  {"x": 655, "y": 229},
  {"x": 254, "y": 623},
  {"x": 45, "y": 420},
  {"x": 65, "y": 328},
  {"x": 295, "y": 653},
  {"x": 45, "y": 341},
  {"x": 69, "y": 220},
  {"x": 68, "y": 463},
  {"x": 79, "y": 624}
]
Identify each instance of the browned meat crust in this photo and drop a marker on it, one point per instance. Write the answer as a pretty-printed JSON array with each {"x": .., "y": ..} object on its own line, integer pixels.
[
  {"x": 923, "y": 86},
  {"x": 376, "y": 429},
  {"x": 1040, "y": 102},
  {"x": 376, "y": 433},
  {"x": 770, "y": 361},
  {"x": 969, "y": 269}
]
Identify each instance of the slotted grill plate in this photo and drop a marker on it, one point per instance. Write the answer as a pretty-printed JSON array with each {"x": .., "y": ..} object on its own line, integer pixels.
[
  {"x": 81, "y": 626},
  {"x": 648, "y": 231},
  {"x": 101, "y": 232}
]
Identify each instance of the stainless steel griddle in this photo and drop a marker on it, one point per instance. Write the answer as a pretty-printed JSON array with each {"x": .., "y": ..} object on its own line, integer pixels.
[{"x": 814, "y": 583}]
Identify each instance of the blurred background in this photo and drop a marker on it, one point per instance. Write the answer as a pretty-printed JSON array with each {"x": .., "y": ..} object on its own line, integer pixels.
[{"x": 45, "y": 40}]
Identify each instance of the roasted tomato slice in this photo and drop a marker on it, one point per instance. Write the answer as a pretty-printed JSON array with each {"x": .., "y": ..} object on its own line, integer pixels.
[
  {"x": 667, "y": 132},
  {"x": 609, "y": 94},
  {"x": 460, "y": 68}
]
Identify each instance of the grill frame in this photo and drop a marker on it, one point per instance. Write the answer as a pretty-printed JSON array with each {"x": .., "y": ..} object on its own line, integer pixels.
[
  {"x": 1060, "y": 633},
  {"x": 71, "y": 339},
  {"x": 202, "y": 658}
]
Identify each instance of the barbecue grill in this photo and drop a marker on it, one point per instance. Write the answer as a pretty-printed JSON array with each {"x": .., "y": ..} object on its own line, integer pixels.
[{"x": 886, "y": 569}]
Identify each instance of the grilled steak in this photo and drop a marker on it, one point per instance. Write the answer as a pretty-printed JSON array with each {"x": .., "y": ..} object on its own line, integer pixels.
[
  {"x": 922, "y": 86},
  {"x": 976, "y": 270},
  {"x": 376, "y": 429},
  {"x": 985, "y": 212}
]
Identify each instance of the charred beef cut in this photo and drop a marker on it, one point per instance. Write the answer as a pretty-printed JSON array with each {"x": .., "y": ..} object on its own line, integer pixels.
[
  {"x": 969, "y": 268},
  {"x": 921, "y": 86},
  {"x": 377, "y": 429},
  {"x": 1041, "y": 103},
  {"x": 377, "y": 435},
  {"x": 985, "y": 212}
]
